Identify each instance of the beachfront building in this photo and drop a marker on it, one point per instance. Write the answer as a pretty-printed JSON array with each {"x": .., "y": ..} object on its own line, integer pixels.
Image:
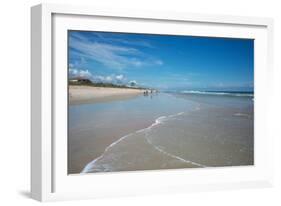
[{"x": 80, "y": 80}]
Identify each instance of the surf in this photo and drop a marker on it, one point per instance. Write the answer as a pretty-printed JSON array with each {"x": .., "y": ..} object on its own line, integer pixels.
[{"x": 160, "y": 120}]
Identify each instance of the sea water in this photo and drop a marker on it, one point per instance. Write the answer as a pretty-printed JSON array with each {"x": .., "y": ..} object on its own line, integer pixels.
[{"x": 166, "y": 131}]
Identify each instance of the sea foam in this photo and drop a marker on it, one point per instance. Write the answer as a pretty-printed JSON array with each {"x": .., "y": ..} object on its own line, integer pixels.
[
  {"x": 160, "y": 120},
  {"x": 236, "y": 94}
]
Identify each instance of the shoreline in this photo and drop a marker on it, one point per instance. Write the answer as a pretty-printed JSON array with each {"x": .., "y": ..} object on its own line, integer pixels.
[
  {"x": 188, "y": 164},
  {"x": 79, "y": 163},
  {"x": 131, "y": 137},
  {"x": 90, "y": 94}
]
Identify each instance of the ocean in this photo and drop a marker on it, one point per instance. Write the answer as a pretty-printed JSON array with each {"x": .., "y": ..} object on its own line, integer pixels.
[{"x": 166, "y": 130}]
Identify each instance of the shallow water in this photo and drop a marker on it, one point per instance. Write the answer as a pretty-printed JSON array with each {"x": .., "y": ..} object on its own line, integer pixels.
[{"x": 163, "y": 131}]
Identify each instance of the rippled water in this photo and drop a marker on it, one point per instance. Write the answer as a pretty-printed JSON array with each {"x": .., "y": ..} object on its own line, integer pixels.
[{"x": 169, "y": 131}]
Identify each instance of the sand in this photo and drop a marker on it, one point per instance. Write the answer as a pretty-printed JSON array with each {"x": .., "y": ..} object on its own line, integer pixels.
[
  {"x": 90, "y": 94},
  {"x": 85, "y": 146},
  {"x": 134, "y": 153},
  {"x": 208, "y": 132}
]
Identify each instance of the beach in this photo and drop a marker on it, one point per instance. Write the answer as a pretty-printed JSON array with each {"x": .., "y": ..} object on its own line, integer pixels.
[
  {"x": 157, "y": 102},
  {"x": 160, "y": 131},
  {"x": 90, "y": 94}
]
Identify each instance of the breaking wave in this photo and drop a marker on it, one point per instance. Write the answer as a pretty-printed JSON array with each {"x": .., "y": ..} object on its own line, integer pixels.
[{"x": 236, "y": 94}]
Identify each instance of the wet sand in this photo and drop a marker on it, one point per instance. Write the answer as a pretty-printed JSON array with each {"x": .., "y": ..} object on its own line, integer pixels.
[
  {"x": 138, "y": 154},
  {"x": 93, "y": 127},
  {"x": 88, "y": 144},
  {"x": 161, "y": 131}
]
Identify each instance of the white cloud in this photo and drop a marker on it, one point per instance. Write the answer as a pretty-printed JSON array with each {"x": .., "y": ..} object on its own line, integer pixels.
[
  {"x": 72, "y": 71},
  {"x": 115, "y": 79},
  {"x": 108, "y": 79},
  {"x": 85, "y": 73},
  {"x": 79, "y": 73},
  {"x": 110, "y": 55},
  {"x": 119, "y": 77}
]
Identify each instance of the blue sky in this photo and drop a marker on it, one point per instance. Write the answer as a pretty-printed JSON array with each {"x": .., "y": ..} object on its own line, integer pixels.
[{"x": 162, "y": 61}]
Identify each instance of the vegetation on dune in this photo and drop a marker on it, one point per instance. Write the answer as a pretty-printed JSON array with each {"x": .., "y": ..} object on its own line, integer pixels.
[{"x": 87, "y": 82}]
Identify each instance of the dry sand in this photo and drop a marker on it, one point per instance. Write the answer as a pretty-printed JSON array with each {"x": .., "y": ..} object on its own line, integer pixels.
[{"x": 90, "y": 94}]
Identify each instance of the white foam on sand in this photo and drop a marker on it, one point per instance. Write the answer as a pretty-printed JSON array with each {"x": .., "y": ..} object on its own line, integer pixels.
[
  {"x": 219, "y": 93},
  {"x": 241, "y": 115},
  {"x": 160, "y": 120},
  {"x": 169, "y": 154}
]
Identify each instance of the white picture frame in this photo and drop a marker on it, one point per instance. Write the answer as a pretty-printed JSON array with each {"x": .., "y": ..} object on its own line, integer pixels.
[{"x": 49, "y": 179}]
